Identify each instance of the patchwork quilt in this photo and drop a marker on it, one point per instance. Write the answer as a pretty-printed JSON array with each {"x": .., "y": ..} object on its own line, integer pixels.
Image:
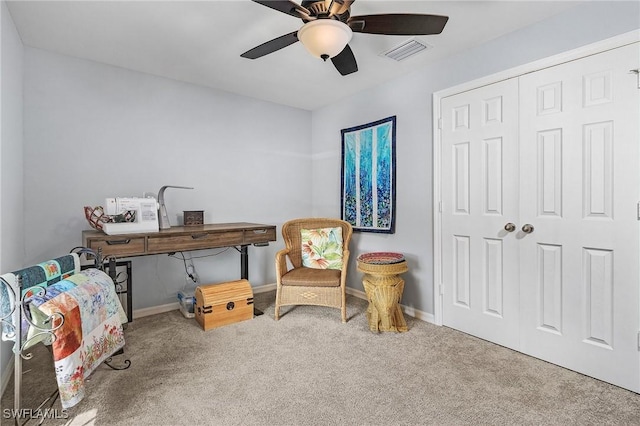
[{"x": 90, "y": 332}]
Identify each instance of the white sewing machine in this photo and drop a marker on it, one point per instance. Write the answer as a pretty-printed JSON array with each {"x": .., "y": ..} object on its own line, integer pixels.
[{"x": 146, "y": 218}]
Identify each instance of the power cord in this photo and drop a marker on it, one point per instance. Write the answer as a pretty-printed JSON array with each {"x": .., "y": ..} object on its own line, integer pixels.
[{"x": 189, "y": 270}]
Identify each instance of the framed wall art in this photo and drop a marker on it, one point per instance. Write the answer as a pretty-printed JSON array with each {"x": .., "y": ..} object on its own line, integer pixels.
[{"x": 368, "y": 183}]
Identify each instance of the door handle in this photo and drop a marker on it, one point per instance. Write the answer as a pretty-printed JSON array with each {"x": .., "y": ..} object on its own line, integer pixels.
[
  {"x": 510, "y": 227},
  {"x": 527, "y": 228}
]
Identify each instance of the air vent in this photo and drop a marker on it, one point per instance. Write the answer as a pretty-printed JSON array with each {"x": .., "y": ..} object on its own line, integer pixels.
[{"x": 406, "y": 50}]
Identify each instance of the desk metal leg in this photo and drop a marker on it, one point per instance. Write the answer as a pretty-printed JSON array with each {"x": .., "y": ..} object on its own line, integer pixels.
[
  {"x": 244, "y": 263},
  {"x": 244, "y": 273}
]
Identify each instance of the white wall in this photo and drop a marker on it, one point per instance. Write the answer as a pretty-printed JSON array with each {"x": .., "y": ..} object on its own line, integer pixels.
[
  {"x": 94, "y": 131},
  {"x": 410, "y": 99},
  {"x": 11, "y": 159}
]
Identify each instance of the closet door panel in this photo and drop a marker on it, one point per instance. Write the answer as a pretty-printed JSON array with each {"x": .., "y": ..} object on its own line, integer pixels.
[
  {"x": 579, "y": 157},
  {"x": 479, "y": 186}
]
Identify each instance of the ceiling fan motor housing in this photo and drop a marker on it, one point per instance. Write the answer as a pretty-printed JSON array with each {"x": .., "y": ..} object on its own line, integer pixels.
[{"x": 319, "y": 9}]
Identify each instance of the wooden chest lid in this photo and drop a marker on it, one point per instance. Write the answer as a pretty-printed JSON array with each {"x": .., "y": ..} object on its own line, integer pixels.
[{"x": 223, "y": 292}]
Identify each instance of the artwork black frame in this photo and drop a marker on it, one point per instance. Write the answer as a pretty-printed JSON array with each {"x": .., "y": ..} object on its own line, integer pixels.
[{"x": 368, "y": 176}]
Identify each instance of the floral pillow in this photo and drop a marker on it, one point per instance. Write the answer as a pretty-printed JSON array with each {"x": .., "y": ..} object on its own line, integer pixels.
[{"x": 322, "y": 248}]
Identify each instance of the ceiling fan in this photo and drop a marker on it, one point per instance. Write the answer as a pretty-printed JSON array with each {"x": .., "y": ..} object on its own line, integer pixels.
[{"x": 329, "y": 26}]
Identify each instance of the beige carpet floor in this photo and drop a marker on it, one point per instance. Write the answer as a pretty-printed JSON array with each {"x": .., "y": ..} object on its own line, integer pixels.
[{"x": 310, "y": 369}]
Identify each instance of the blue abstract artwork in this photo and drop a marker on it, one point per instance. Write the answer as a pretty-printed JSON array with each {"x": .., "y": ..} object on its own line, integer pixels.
[{"x": 368, "y": 176}]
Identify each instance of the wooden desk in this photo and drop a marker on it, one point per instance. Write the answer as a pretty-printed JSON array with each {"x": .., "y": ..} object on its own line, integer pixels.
[{"x": 183, "y": 238}]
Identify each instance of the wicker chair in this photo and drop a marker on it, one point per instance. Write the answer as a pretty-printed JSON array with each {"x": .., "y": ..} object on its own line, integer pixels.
[{"x": 309, "y": 286}]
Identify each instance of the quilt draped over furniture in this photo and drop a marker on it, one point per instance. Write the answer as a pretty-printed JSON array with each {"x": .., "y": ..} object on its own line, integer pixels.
[{"x": 82, "y": 309}]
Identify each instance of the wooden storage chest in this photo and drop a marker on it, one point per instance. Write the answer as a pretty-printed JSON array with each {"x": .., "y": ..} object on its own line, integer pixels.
[{"x": 223, "y": 303}]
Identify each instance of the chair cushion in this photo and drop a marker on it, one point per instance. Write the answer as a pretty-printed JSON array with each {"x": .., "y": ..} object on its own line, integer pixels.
[
  {"x": 322, "y": 248},
  {"x": 310, "y": 277}
]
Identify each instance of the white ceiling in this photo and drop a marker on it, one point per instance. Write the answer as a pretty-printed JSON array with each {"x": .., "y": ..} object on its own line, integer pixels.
[{"x": 201, "y": 41}]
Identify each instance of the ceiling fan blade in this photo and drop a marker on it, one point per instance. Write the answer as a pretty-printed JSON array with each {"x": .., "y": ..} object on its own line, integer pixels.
[
  {"x": 271, "y": 46},
  {"x": 285, "y": 6},
  {"x": 398, "y": 24},
  {"x": 345, "y": 62}
]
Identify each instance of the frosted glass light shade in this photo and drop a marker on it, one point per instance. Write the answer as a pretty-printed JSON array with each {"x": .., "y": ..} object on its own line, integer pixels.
[{"x": 325, "y": 37}]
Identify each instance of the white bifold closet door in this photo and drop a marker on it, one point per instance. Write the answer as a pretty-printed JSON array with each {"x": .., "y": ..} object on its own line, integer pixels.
[
  {"x": 567, "y": 277},
  {"x": 480, "y": 196}
]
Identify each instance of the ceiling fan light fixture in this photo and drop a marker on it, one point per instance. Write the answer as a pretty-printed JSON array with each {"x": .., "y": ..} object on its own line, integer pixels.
[{"x": 325, "y": 38}]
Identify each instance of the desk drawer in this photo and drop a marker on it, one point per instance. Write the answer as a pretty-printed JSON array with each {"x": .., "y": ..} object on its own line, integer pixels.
[
  {"x": 195, "y": 241},
  {"x": 259, "y": 235},
  {"x": 120, "y": 246}
]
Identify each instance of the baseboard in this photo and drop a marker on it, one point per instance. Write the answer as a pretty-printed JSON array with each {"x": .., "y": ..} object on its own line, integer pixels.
[
  {"x": 357, "y": 293},
  {"x": 418, "y": 314},
  {"x": 264, "y": 288},
  {"x": 409, "y": 310},
  {"x": 145, "y": 312}
]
